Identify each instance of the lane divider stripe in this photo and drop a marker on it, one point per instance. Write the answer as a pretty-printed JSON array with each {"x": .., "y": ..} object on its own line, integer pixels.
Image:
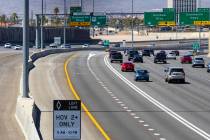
[{"x": 94, "y": 121}]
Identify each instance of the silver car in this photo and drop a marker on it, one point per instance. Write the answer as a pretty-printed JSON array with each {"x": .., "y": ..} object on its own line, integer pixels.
[
  {"x": 174, "y": 74},
  {"x": 198, "y": 61}
]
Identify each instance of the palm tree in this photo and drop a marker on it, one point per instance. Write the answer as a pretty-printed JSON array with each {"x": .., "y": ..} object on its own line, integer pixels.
[
  {"x": 56, "y": 10},
  {"x": 14, "y": 17},
  {"x": 3, "y": 19}
]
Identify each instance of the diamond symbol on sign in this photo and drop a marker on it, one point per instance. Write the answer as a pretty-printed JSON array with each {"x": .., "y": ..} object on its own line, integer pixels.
[{"x": 58, "y": 105}]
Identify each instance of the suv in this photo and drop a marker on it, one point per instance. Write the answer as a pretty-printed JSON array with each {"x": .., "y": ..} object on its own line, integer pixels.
[
  {"x": 160, "y": 57},
  {"x": 175, "y": 74},
  {"x": 131, "y": 54},
  {"x": 198, "y": 61},
  {"x": 116, "y": 57},
  {"x": 146, "y": 52},
  {"x": 138, "y": 58}
]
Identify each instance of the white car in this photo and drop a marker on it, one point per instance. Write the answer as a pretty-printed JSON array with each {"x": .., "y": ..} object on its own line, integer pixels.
[
  {"x": 174, "y": 74},
  {"x": 17, "y": 47},
  {"x": 85, "y": 46},
  {"x": 7, "y": 45},
  {"x": 171, "y": 55},
  {"x": 66, "y": 46},
  {"x": 53, "y": 45}
]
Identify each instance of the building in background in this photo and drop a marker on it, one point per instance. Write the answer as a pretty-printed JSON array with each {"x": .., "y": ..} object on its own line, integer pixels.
[{"x": 183, "y": 6}]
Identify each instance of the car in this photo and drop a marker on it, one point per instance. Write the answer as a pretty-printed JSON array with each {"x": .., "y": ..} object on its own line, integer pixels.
[
  {"x": 17, "y": 47},
  {"x": 111, "y": 52},
  {"x": 131, "y": 54},
  {"x": 186, "y": 59},
  {"x": 160, "y": 57},
  {"x": 190, "y": 53},
  {"x": 85, "y": 45},
  {"x": 198, "y": 61},
  {"x": 171, "y": 55},
  {"x": 7, "y": 45},
  {"x": 208, "y": 67},
  {"x": 138, "y": 58},
  {"x": 174, "y": 74},
  {"x": 176, "y": 52},
  {"x": 53, "y": 45},
  {"x": 146, "y": 52},
  {"x": 117, "y": 45},
  {"x": 66, "y": 46},
  {"x": 127, "y": 66},
  {"x": 116, "y": 57},
  {"x": 141, "y": 75},
  {"x": 163, "y": 52}
]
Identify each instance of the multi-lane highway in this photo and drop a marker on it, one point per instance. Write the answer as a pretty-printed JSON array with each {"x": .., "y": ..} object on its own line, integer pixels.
[
  {"x": 10, "y": 69},
  {"x": 143, "y": 110}
]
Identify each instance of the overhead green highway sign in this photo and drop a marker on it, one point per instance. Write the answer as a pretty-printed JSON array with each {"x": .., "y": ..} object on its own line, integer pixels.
[
  {"x": 98, "y": 21},
  {"x": 204, "y": 10},
  {"x": 75, "y": 10},
  {"x": 194, "y": 18},
  {"x": 80, "y": 20},
  {"x": 168, "y": 10},
  {"x": 159, "y": 19}
]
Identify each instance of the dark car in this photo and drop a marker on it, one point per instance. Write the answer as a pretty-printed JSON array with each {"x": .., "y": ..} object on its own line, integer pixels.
[
  {"x": 208, "y": 67},
  {"x": 141, "y": 75},
  {"x": 160, "y": 57},
  {"x": 116, "y": 57},
  {"x": 146, "y": 52},
  {"x": 138, "y": 58},
  {"x": 111, "y": 52},
  {"x": 176, "y": 52},
  {"x": 131, "y": 54}
]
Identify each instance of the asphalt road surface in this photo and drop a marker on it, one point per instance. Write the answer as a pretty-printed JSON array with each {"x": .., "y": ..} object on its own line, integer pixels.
[
  {"x": 10, "y": 69},
  {"x": 143, "y": 110},
  {"x": 47, "y": 83}
]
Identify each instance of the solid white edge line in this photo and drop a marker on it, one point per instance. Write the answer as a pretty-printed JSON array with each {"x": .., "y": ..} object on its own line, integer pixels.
[{"x": 158, "y": 104}]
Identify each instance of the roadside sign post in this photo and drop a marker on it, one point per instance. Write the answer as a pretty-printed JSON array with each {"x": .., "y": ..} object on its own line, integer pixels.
[
  {"x": 209, "y": 45},
  {"x": 66, "y": 120}
]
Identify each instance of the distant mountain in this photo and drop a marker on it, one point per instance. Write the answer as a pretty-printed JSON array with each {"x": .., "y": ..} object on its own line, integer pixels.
[{"x": 10, "y": 6}]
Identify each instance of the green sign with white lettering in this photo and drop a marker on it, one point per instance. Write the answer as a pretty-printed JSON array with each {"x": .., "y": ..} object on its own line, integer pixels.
[
  {"x": 99, "y": 21},
  {"x": 169, "y": 10},
  {"x": 204, "y": 10},
  {"x": 194, "y": 18},
  {"x": 159, "y": 19},
  {"x": 196, "y": 45},
  {"x": 75, "y": 10}
]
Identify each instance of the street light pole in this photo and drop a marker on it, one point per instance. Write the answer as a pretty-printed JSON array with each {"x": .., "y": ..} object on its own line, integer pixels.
[
  {"x": 132, "y": 25},
  {"x": 64, "y": 31},
  {"x": 42, "y": 39},
  {"x": 93, "y": 13},
  {"x": 25, "y": 49}
]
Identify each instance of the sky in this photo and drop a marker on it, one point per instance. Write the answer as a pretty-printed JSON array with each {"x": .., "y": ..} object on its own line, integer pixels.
[{"x": 10, "y": 6}]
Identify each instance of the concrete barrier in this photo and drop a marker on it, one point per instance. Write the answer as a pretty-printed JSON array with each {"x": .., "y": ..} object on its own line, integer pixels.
[{"x": 24, "y": 116}]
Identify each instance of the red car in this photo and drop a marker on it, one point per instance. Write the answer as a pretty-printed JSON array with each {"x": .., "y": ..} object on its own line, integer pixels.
[
  {"x": 127, "y": 66},
  {"x": 186, "y": 59}
]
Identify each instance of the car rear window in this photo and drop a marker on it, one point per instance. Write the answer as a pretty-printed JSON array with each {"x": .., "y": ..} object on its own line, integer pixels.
[
  {"x": 198, "y": 58},
  {"x": 177, "y": 70}
]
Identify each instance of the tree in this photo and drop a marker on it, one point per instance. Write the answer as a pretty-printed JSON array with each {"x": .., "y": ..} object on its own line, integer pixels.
[
  {"x": 3, "y": 19},
  {"x": 14, "y": 18},
  {"x": 56, "y": 10}
]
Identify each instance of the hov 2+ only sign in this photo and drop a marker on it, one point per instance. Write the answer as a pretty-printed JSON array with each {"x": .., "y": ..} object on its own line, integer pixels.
[{"x": 66, "y": 120}]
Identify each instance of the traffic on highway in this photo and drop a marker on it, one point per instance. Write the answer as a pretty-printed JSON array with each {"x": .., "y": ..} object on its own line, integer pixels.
[{"x": 96, "y": 70}]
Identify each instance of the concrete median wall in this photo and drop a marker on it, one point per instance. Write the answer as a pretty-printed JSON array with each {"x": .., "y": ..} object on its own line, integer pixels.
[{"x": 15, "y": 34}]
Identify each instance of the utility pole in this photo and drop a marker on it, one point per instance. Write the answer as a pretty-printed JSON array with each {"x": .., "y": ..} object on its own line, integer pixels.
[
  {"x": 65, "y": 24},
  {"x": 42, "y": 38},
  {"x": 93, "y": 14},
  {"x": 26, "y": 49},
  {"x": 132, "y": 25}
]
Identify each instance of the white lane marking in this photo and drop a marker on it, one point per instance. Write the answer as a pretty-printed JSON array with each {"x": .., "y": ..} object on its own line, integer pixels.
[
  {"x": 136, "y": 117},
  {"x": 162, "y": 139},
  {"x": 125, "y": 107},
  {"x": 146, "y": 125},
  {"x": 156, "y": 134},
  {"x": 151, "y": 129},
  {"x": 141, "y": 121},
  {"x": 128, "y": 110},
  {"x": 132, "y": 114},
  {"x": 158, "y": 104},
  {"x": 119, "y": 102},
  {"x": 116, "y": 99}
]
